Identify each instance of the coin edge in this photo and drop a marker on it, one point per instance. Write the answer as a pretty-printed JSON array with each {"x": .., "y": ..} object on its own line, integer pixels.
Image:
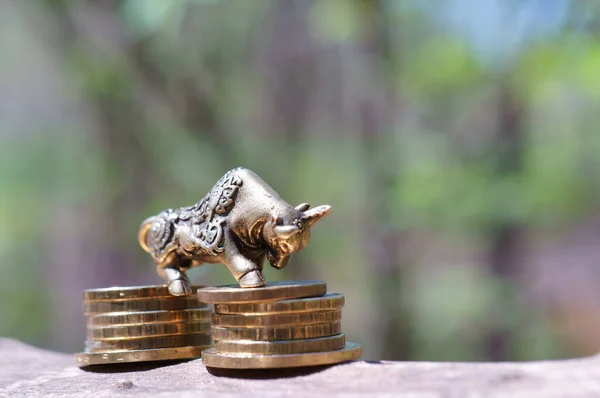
[
  {"x": 186, "y": 352},
  {"x": 317, "y": 289},
  {"x": 351, "y": 352}
]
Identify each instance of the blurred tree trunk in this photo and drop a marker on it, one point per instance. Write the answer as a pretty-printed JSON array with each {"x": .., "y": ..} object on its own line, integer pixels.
[
  {"x": 288, "y": 61},
  {"x": 377, "y": 125},
  {"x": 99, "y": 252},
  {"x": 506, "y": 236},
  {"x": 292, "y": 62}
]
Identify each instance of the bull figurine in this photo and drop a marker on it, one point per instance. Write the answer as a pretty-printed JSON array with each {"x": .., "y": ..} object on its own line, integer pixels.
[{"x": 239, "y": 222}]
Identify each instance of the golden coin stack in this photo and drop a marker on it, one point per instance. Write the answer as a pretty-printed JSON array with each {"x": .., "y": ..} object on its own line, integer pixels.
[
  {"x": 139, "y": 324},
  {"x": 282, "y": 325}
]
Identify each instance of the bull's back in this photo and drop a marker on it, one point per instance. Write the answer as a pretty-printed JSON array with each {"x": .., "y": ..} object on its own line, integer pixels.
[{"x": 255, "y": 199}]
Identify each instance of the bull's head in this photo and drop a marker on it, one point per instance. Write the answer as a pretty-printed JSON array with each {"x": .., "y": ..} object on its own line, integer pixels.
[{"x": 289, "y": 233}]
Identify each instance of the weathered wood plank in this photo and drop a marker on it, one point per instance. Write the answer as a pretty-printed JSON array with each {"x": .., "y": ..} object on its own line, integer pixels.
[{"x": 29, "y": 371}]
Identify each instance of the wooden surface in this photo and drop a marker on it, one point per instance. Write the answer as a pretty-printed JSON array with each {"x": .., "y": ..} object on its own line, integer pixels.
[{"x": 31, "y": 372}]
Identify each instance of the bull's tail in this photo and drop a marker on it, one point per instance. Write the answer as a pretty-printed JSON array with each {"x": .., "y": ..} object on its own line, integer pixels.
[{"x": 143, "y": 233}]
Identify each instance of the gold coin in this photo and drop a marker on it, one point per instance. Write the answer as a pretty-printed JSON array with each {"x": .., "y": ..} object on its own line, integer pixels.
[
  {"x": 276, "y": 320},
  {"x": 144, "y": 343},
  {"x": 330, "y": 301},
  {"x": 128, "y": 293},
  {"x": 148, "y": 330},
  {"x": 147, "y": 317},
  {"x": 158, "y": 354},
  {"x": 320, "y": 344},
  {"x": 151, "y": 304},
  {"x": 211, "y": 358},
  {"x": 273, "y": 291},
  {"x": 283, "y": 333}
]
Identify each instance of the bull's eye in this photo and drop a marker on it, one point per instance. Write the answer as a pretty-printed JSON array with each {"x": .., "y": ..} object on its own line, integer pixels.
[{"x": 278, "y": 221}]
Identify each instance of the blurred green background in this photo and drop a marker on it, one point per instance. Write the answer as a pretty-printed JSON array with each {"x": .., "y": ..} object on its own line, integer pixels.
[{"x": 457, "y": 142}]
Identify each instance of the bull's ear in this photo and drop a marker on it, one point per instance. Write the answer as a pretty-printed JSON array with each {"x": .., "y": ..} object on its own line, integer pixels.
[
  {"x": 286, "y": 231},
  {"x": 303, "y": 207},
  {"x": 313, "y": 215}
]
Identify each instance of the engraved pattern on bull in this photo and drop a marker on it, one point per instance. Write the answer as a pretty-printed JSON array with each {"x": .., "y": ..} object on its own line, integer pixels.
[{"x": 238, "y": 223}]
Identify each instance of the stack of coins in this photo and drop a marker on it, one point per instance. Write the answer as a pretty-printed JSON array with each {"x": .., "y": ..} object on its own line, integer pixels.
[
  {"x": 281, "y": 325},
  {"x": 139, "y": 324}
]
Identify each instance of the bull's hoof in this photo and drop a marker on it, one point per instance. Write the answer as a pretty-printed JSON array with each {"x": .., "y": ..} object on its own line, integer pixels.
[
  {"x": 252, "y": 279},
  {"x": 180, "y": 287}
]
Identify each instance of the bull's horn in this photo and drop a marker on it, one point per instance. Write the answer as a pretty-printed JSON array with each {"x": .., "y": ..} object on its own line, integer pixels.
[
  {"x": 286, "y": 231},
  {"x": 303, "y": 207},
  {"x": 313, "y": 215}
]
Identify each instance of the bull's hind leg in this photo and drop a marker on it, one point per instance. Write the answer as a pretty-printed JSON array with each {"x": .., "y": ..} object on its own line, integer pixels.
[{"x": 177, "y": 281}]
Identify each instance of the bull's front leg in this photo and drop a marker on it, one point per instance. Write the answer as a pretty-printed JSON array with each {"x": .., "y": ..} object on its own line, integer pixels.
[
  {"x": 247, "y": 272},
  {"x": 177, "y": 281}
]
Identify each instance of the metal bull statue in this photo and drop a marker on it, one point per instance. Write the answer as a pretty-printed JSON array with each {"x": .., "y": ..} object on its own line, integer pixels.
[{"x": 239, "y": 222}]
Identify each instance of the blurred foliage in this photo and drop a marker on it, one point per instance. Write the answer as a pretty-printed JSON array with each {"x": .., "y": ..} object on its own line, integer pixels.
[{"x": 450, "y": 137}]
